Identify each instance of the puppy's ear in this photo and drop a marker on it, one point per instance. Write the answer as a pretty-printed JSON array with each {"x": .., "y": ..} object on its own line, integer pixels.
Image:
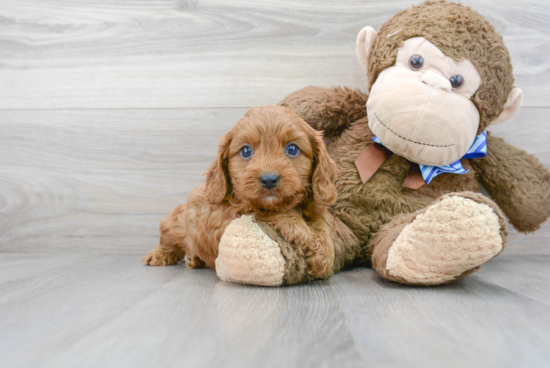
[
  {"x": 324, "y": 173},
  {"x": 217, "y": 186}
]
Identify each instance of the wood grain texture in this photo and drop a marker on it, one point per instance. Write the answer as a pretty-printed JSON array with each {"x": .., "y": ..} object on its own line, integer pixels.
[
  {"x": 101, "y": 180},
  {"x": 171, "y": 54},
  {"x": 453, "y": 325},
  {"x": 110, "y": 311},
  {"x": 525, "y": 275}
]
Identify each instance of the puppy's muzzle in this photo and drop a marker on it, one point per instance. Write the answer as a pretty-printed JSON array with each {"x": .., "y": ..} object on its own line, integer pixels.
[{"x": 269, "y": 180}]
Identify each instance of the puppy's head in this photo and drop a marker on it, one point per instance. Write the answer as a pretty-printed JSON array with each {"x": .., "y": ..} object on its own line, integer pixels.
[{"x": 272, "y": 160}]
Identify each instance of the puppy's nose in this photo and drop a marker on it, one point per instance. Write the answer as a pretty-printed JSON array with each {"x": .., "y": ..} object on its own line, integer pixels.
[{"x": 269, "y": 180}]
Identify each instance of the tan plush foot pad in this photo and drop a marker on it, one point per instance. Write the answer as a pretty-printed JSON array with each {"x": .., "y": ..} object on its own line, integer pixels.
[
  {"x": 453, "y": 235},
  {"x": 247, "y": 255}
]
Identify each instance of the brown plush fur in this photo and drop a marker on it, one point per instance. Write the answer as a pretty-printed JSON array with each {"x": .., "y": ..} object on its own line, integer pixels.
[
  {"x": 516, "y": 180},
  {"x": 331, "y": 110},
  {"x": 388, "y": 233},
  {"x": 296, "y": 206},
  {"x": 347, "y": 251},
  {"x": 459, "y": 32},
  {"x": 377, "y": 211}
]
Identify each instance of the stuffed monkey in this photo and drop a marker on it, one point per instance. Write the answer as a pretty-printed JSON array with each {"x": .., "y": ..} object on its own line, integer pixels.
[{"x": 412, "y": 163}]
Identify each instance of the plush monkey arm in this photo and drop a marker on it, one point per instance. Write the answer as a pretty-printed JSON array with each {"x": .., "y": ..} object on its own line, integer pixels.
[
  {"x": 329, "y": 109},
  {"x": 517, "y": 182}
]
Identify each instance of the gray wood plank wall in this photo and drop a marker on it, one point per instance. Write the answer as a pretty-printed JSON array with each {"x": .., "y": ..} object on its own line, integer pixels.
[{"x": 111, "y": 110}]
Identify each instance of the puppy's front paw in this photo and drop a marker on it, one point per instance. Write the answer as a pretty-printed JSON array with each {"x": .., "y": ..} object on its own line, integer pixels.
[
  {"x": 193, "y": 261},
  {"x": 321, "y": 265},
  {"x": 157, "y": 257},
  {"x": 247, "y": 255}
]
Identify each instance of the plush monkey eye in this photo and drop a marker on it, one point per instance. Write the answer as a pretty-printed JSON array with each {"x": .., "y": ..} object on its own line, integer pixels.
[
  {"x": 292, "y": 150},
  {"x": 416, "y": 62},
  {"x": 456, "y": 81},
  {"x": 246, "y": 152}
]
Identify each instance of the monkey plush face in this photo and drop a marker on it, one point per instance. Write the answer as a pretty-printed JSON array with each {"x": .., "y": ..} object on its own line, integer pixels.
[
  {"x": 439, "y": 74},
  {"x": 410, "y": 103}
]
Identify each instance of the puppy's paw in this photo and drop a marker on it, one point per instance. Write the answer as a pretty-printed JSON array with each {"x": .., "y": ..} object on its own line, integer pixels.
[
  {"x": 247, "y": 255},
  {"x": 157, "y": 257},
  {"x": 193, "y": 261},
  {"x": 321, "y": 265}
]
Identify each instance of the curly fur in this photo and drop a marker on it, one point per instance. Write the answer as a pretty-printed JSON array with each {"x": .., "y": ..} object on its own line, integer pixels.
[{"x": 296, "y": 206}]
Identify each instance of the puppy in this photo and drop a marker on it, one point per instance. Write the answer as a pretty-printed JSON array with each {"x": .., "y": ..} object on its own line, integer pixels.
[{"x": 272, "y": 165}]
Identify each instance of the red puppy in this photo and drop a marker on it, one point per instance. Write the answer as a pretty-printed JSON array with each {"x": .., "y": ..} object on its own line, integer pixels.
[{"x": 272, "y": 165}]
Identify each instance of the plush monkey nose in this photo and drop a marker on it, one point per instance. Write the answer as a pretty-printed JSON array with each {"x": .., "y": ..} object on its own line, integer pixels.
[
  {"x": 269, "y": 180},
  {"x": 436, "y": 80}
]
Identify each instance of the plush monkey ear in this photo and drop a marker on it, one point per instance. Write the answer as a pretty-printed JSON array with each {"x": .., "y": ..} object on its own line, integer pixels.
[
  {"x": 365, "y": 39},
  {"x": 216, "y": 176},
  {"x": 512, "y": 105},
  {"x": 324, "y": 173}
]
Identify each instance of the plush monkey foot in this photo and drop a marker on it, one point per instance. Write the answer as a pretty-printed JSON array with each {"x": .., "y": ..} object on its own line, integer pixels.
[
  {"x": 449, "y": 239},
  {"x": 251, "y": 252},
  {"x": 247, "y": 255}
]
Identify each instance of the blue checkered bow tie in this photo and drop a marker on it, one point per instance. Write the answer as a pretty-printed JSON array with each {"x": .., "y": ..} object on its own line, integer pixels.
[{"x": 477, "y": 150}]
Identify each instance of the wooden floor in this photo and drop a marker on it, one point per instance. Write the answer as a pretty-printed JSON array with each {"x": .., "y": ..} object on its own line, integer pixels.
[
  {"x": 110, "y": 111},
  {"x": 110, "y": 311}
]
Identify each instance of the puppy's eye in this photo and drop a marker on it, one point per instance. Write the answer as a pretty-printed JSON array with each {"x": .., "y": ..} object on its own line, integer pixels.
[
  {"x": 416, "y": 62},
  {"x": 292, "y": 150},
  {"x": 246, "y": 152}
]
